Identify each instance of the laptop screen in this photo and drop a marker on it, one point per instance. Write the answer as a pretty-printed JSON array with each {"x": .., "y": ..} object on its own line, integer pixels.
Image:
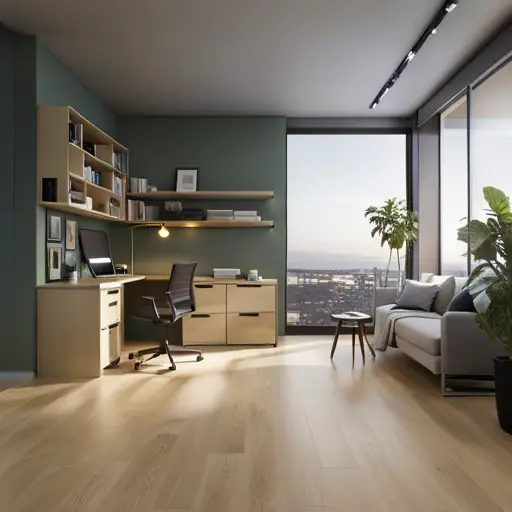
[{"x": 95, "y": 246}]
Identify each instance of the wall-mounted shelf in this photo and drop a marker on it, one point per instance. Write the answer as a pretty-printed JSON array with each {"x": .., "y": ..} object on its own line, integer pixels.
[
  {"x": 208, "y": 223},
  {"x": 95, "y": 162},
  {"x": 202, "y": 194},
  {"x": 79, "y": 210}
]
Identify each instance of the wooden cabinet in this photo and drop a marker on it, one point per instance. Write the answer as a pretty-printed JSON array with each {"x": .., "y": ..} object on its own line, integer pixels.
[
  {"x": 251, "y": 328},
  {"x": 204, "y": 329},
  {"x": 234, "y": 313}
]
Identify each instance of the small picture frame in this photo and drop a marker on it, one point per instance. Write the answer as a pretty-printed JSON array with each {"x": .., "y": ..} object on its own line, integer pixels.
[
  {"x": 70, "y": 235},
  {"x": 186, "y": 179},
  {"x": 54, "y": 262},
  {"x": 53, "y": 227}
]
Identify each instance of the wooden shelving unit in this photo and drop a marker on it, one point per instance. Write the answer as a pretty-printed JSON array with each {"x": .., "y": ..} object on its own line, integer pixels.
[
  {"x": 207, "y": 223},
  {"x": 65, "y": 162},
  {"x": 203, "y": 194}
]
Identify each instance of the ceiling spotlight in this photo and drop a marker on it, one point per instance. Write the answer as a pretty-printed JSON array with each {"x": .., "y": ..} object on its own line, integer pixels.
[
  {"x": 450, "y": 6},
  {"x": 410, "y": 56}
]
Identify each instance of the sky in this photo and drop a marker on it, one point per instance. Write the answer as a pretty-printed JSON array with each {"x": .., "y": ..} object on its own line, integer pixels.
[{"x": 332, "y": 179}]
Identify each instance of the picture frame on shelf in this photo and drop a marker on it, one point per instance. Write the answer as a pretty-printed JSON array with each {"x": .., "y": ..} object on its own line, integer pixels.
[
  {"x": 53, "y": 262},
  {"x": 53, "y": 227},
  {"x": 186, "y": 179},
  {"x": 71, "y": 235}
]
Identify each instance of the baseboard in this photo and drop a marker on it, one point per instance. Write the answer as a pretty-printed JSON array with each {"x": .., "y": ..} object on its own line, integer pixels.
[{"x": 16, "y": 376}]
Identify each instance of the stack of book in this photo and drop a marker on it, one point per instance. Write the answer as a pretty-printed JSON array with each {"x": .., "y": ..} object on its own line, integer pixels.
[
  {"x": 247, "y": 215},
  {"x": 92, "y": 176},
  {"x": 138, "y": 185},
  {"x": 118, "y": 186},
  {"x": 226, "y": 273},
  {"x": 219, "y": 214},
  {"x": 136, "y": 210}
]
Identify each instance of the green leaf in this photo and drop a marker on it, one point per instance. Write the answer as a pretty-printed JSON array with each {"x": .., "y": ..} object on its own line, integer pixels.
[{"x": 497, "y": 200}]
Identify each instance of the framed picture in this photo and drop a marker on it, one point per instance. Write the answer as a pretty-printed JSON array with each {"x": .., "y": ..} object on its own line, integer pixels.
[
  {"x": 54, "y": 262},
  {"x": 70, "y": 235},
  {"x": 53, "y": 227},
  {"x": 186, "y": 179}
]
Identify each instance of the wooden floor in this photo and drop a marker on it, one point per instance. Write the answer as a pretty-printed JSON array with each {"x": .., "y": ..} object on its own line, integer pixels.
[{"x": 254, "y": 430}]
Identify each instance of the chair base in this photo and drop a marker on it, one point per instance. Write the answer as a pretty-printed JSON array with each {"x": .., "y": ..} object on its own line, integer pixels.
[{"x": 163, "y": 349}]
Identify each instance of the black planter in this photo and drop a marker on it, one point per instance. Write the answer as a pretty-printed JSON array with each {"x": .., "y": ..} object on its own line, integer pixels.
[{"x": 503, "y": 382}]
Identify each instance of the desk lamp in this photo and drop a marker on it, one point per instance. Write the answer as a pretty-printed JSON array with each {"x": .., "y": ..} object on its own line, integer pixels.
[{"x": 163, "y": 232}]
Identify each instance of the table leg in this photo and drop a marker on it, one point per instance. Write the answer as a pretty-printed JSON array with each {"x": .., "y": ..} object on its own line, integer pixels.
[
  {"x": 372, "y": 350},
  {"x": 361, "y": 342},
  {"x": 335, "y": 342},
  {"x": 353, "y": 346}
]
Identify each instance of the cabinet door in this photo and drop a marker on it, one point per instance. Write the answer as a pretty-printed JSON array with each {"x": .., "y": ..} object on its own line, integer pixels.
[
  {"x": 104, "y": 347},
  {"x": 251, "y": 298},
  {"x": 204, "y": 329},
  {"x": 251, "y": 328},
  {"x": 210, "y": 298},
  {"x": 114, "y": 343}
]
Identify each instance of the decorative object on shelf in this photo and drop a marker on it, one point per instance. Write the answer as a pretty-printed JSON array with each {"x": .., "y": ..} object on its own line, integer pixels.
[
  {"x": 186, "y": 179},
  {"x": 54, "y": 262},
  {"x": 49, "y": 190},
  {"x": 397, "y": 226},
  {"x": 53, "y": 227},
  {"x": 173, "y": 206},
  {"x": 163, "y": 232},
  {"x": 152, "y": 188},
  {"x": 253, "y": 275},
  {"x": 71, "y": 271},
  {"x": 76, "y": 132},
  {"x": 89, "y": 147},
  {"x": 490, "y": 285},
  {"x": 70, "y": 234}
]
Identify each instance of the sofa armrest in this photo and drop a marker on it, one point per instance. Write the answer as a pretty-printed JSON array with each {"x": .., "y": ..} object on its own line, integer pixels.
[
  {"x": 465, "y": 348},
  {"x": 385, "y": 296}
]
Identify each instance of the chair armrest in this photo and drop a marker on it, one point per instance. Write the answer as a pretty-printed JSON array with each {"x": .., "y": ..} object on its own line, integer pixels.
[
  {"x": 465, "y": 348},
  {"x": 153, "y": 303}
]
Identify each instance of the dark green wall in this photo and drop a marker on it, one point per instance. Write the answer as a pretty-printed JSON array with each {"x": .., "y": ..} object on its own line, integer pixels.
[{"x": 232, "y": 153}]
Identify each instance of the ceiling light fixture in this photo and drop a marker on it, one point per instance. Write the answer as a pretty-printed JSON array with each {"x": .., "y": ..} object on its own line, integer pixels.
[{"x": 447, "y": 7}]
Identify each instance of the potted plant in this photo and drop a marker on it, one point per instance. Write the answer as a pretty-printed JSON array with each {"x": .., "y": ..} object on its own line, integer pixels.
[
  {"x": 491, "y": 243},
  {"x": 72, "y": 272},
  {"x": 397, "y": 227}
]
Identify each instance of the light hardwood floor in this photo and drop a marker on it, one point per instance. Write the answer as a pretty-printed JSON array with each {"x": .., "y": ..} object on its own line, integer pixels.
[{"x": 254, "y": 430}]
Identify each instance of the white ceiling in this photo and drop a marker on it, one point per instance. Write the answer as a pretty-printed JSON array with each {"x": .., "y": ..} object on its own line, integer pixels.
[{"x": 283, "y": 57}]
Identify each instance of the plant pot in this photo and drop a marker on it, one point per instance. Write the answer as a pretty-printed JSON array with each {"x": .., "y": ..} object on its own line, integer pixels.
[
  {"x": 503, "y": 383},
  {"x": 73, "y": 276}
]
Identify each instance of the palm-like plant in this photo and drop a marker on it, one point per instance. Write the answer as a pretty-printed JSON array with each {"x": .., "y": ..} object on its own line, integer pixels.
[
  {"x": 491, "y": 242},
  {"x": 396, "y": 225}
]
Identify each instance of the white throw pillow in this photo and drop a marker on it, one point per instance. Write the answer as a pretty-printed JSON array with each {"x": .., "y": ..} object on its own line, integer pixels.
[
  {"x": 445, "y": 295},
  {"x": 417, "y": 295}
]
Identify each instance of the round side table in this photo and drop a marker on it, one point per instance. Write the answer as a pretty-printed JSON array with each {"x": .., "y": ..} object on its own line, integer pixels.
[{"x": 357, "y": 323}]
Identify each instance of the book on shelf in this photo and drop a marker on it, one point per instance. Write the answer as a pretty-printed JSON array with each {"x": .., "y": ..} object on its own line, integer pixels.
[
  {"x": 119, "y": 161},
  {"x": 245, "y": 213},
  {"x": 138, "y": 185},
  {"x": 115, "y": 207},
  {"x": 244, "y": 218},
  {"x": 136, "y": 210},
  {"x": 219, "y": 214},
  {"x": 118, "y": 186},
  {"x": 76, "y": 134},
  {"x": 92, "y": 176}
]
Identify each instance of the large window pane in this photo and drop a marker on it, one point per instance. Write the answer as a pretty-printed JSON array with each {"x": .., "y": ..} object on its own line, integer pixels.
[
  {"x": 491, "y": 138},
  {"x": 333, "y": 263},
  {"x": 454, "y": 188}
]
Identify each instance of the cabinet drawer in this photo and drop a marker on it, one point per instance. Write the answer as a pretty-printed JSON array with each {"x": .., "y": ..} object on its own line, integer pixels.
[
  {"x": 204, "y": 329},
  {"x": 210, "y": 298},
  {"x": 251, "y": 328},
  {"x": 110, "y": 345},
  {"x": 110, "y": 307},
  {"x": 251, "y": 298}
]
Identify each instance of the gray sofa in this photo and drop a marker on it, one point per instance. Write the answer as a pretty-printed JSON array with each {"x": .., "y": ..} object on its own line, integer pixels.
[{"x": 451, "y": 345}]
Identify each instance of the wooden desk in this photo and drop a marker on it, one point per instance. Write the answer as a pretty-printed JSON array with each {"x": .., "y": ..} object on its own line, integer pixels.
[{"x": 80, "y": 326}]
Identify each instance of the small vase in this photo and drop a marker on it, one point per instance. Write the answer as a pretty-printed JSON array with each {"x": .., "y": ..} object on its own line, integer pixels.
[
  {"x": 73, "y": 277},
  {"x": 503, "y": 383}
]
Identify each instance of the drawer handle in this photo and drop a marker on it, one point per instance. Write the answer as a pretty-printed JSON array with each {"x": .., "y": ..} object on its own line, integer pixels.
[
  {"x": 248, "y": 285},
  {"x": 111, "y": 326},
  {"x": 248, "y": 314},
  {"x": 112, "y": 304},
  {"x": 199, "y": 315},
  {"x": 203, "y": 285},
  {"x": 113, "y": 292}
]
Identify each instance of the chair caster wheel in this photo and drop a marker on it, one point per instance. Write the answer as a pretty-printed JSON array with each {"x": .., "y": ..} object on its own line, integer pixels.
[
  {"x": 199, "y": 358},
  {"x": 137, "y": 366},
  {"x": 172, "y": 368}
]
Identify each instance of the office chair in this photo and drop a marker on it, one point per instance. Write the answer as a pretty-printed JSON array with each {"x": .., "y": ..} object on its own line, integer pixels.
[{"x": 180, "y": 299}]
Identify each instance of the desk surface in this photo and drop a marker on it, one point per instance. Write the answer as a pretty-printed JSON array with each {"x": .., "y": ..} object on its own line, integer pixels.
[{"x": 112, "y": 282}]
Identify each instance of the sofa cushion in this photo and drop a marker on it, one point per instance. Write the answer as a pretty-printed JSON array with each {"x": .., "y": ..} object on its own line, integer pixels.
[
  {"x": 460, "y": 282},
  {"x": 463, "y": 301},
  {"x": 417, "y": 295},
  {"x": 424, "y": 333},
  {"x": 445, "y": 294}
]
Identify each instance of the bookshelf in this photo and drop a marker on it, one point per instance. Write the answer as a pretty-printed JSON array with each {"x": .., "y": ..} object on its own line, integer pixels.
[
  {"x": 70, "y": 166},
  {"x": 207, "y": 223},
  {"x": 203, "y": 194}
]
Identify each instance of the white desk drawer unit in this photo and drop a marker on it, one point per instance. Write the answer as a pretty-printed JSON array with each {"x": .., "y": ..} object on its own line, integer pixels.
[
  {"x": 242, "y": 313},
  {"x": 110, "y": 307}
]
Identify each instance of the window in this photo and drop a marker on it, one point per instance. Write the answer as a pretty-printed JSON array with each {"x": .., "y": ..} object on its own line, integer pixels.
[
  {"x": 454, "y": 188},
  {"x": 333, "y": 263}
]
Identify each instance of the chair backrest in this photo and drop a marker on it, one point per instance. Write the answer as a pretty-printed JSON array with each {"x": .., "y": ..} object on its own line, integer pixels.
[{"x": 180, "y": 290}]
